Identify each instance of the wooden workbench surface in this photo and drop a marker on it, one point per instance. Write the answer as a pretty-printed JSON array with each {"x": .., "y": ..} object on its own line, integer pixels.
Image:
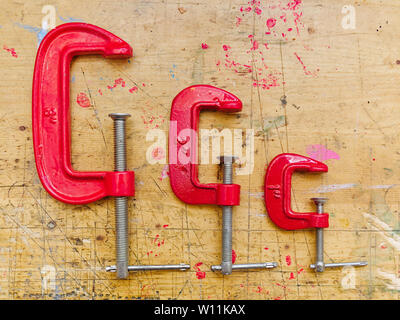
[{"x": 316, "y": 77}]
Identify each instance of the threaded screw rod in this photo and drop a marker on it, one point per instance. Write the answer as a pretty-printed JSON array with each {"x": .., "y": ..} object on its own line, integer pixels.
[{"x": 121, "y": 203}]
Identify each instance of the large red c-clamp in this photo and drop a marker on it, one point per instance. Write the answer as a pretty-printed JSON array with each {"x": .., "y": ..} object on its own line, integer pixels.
[{"x": 51, "y": 116}]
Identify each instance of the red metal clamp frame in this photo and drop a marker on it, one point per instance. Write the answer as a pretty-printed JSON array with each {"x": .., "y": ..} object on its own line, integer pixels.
[
  {"x": 183, "y": 158},
  {"x": 277, "y": 191},
  {"x": 51, "y": 117}
]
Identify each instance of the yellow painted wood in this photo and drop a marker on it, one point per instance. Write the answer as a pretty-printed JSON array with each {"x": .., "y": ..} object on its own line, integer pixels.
[{"x": 334, "y": 87}]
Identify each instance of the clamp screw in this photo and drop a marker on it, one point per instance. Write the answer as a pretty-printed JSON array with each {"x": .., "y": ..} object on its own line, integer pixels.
[
  {"x": 320, "y": 266},
  {"x": 226, "y": 266},
  {"x": 121, "y": 203}
]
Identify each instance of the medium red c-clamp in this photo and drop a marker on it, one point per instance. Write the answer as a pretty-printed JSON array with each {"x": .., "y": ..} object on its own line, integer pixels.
[
  {"x": 51, "y": 131},
  {"x": 183, "y": 162},
  {"x": 277, "y": 194}
]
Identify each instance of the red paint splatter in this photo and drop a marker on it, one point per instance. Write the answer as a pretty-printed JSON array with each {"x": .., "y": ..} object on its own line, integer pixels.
[
  {"x": 278, "y": 298},
  {"x": 233, "y": 256},
  {"x": 238, "y": 21},
  {"x": 83, "y": 100},
  {"x": 288, "y": 260},
  {"x": 306, "y": 71},
  {"x": 165, "y": 226},
  {"x": 300, "y": 271},
  {"x": 158, "y": 153},
  {"x": 226, "y": 47},
  {"x": 117, "y": 82},
  {"x": 204, "y": 46},
  {"x": 383, "y": 246},
  {"x": 259, "y": 289},
  {"x": 199, "y": 274},
  {"x": 321, "y": 153},
  {"x": 164, "y": 173},
  {"x": 100, "y": 92},
  {"x": 11, "y": 50},
  {"x": 291, "y": 276},
  {"x": 266, "y": 248}
]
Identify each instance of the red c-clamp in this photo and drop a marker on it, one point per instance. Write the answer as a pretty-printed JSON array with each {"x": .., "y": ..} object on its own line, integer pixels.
[
  {"x": 277, "y": 191},
  {"x": 51, "y": 116},
  {"x": 183, "y": 159}
]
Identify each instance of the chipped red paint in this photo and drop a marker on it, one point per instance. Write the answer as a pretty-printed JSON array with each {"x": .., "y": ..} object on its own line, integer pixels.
[
  {"x": 291, "y": 276},
  {"x": 83, "y": 100},
  {"x": 204, "y": 46}
]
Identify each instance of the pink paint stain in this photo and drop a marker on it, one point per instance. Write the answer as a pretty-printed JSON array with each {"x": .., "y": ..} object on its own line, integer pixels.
[
  {"x": 238, "y": 21},
  {"x": 321, "y": 153},
  {"x": 83, "y": 100},
  {"x": 199, "y": 274},
  {"x": 271, "y": 22},
  {"x": 288, "y": 260},
  {"x": 11, "y": 50},
  {"x": 204, "y": 46},
  {"x": 164, "y": 172}
]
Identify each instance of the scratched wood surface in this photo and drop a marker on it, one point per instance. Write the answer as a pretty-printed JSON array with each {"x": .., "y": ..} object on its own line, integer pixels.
[{"x": 308, "y": 86}]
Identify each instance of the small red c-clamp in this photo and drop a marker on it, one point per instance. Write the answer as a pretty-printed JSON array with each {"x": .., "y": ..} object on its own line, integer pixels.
[
  {"x": 51, "y": 130},
  {"x": 277, "y": 193},
  {"x": 183, "y": 159}
]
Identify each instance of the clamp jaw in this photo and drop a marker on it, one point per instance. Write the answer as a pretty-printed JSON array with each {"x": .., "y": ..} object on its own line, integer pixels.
[
  {"x": 51, "y": 116},
  {"x": 277, "y": 192},
  {"x": 183, "y": 155}
]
